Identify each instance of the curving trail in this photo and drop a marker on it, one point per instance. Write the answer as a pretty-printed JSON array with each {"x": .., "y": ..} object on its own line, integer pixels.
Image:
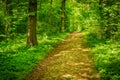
[{"x": 69, "y": 60}]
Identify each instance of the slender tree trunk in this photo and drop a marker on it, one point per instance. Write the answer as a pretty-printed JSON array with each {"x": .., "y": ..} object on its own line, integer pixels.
[
  {"x": 51, "y": 12},
  {"x": 63, "y": 16},
  {"x": 100, "y": 31},
  {"x": 8, "y": 13},
  {"x": 32, "y": 21}
]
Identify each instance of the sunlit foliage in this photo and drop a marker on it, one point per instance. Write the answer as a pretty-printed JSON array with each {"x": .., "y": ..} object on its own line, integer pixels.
[{"x": 99, "y": 20}]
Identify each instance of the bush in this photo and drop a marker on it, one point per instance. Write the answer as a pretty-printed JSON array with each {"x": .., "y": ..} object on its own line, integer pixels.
[
  {"x": 92, "y": 40},
  {"x": 107, "y": 60},
  {"x": 17, "y": 60}
]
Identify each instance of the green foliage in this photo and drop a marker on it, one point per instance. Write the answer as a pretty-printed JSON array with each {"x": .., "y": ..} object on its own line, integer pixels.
[
  {"x": 44, "y": 26},
  {"x": 91, "y": 40},
  {"x": 20, "y": 17},
  {"x": 106, "y": 55},
  {"x": 105, "y": 49},
  {"x": 110, "y": 17},
  {"x": 17, "y": 60},
  {"x": 1, "y": 18},
  {"x": 94, "y": 18},
  {"x": 107, "y": 58}
]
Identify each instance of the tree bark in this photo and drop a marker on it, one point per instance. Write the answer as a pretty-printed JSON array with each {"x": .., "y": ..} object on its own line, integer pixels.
[
  {"x": 63, "y": 16},
  {"x": 32, "y": 21}
]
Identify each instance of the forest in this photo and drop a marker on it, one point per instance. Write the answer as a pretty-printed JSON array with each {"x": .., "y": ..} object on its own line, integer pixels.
[{"x": 32, "y": 30}]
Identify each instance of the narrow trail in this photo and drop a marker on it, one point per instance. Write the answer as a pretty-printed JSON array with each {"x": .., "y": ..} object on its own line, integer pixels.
[{"x": 69, "y": 60}]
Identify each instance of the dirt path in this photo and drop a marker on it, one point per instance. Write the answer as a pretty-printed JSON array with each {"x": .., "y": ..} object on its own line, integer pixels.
[{"x": 67, "y": 61}]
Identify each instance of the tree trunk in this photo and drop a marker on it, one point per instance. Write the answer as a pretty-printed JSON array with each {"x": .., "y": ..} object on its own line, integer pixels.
[
  {"x": 32, "y": 21},
  {"x": 51, "y": 13},
  {"x": 8, "y": 13},
  {"x": 63, "y": 16},
  {"x": 101, "y": 27}
]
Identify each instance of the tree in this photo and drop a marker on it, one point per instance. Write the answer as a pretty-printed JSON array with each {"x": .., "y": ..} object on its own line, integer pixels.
[
  {"x": 109, "y": 17},
  {"x": 2, "y": 25},
  {"x": 51, "y": 12},
  {"x": 32, "y": 21},
  {"x": 63, "y": 16},
  {"x": 100, "y": 19},
  {"x": 8, "y": 13}
]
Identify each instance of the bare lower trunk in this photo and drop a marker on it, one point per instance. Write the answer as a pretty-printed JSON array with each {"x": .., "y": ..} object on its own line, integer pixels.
[{"x": 32, "y": 21}]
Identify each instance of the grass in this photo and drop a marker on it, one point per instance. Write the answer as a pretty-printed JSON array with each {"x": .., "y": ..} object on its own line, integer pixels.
[
  {"x": 106, "y": 57},
  {"x": 17, "y": 60}
]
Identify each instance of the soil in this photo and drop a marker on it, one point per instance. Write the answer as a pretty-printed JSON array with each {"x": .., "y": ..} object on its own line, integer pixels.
[{"x": 70, "y": 60}]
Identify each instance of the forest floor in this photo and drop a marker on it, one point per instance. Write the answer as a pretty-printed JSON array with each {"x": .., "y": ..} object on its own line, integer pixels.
[{"x": 70, "y": 60}]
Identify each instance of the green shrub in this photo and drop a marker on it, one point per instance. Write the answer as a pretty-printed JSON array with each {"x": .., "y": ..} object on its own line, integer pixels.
[
  {"x": 17, "y": 60},
  {"x": 92, "y": 40},
  {"x": 107, "y": 60}
]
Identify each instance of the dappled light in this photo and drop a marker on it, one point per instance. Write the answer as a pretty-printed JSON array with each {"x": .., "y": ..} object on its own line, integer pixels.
[
  {"x": 59, "y": 39},
  {"x": 68, "y": 61},
  {"x": 79, "y": 64},
  {"x": 68, "y": 76},
  {"x": 85, "y": 50}
]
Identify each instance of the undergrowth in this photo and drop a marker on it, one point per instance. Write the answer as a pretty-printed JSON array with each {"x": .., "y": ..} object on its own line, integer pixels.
[
  {"x": 106, "y": 55},
  {"x": 17, "y": 60}
]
